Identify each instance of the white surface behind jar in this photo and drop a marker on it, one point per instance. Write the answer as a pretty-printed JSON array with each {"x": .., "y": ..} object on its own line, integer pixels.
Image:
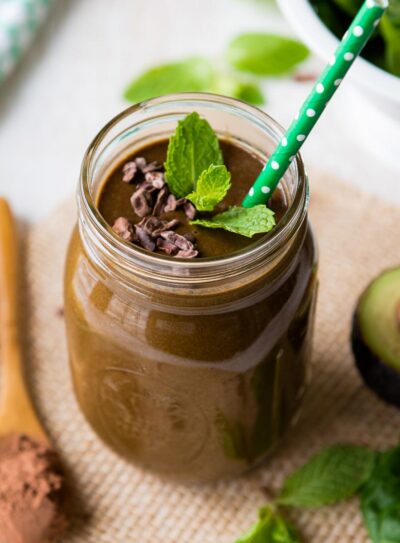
[{"x": 71, "y": 83}]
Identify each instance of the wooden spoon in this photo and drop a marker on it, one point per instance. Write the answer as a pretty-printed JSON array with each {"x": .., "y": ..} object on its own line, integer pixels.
[{"x": 17, "y": 414}]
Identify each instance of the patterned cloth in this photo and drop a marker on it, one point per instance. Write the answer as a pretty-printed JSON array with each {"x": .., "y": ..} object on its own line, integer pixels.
[{"x": 19, "y": 21}]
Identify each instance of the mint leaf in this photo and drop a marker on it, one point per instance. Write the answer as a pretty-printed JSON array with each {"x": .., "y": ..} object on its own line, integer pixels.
[
  {"x": 265, "y": 54},
  {"x": 191, "y": 150},
  {"x": 270, "y": 528},
  {"x": 243, "y": 89},
  {"x": 333, "y": 475},
  {"x": 380, "y": 499},
  {"x": 240, "y": 220},
  {"x": 251, "y": 93},
  {"x": 390, "y": 28},
  {"x": 211, "y": 188},
  {"x": 191, "y": 75}
]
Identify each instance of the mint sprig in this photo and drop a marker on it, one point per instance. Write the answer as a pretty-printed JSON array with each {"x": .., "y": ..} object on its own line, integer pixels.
[
  {"x": 380, "y": 499},
  {"x": 338, "y": 473},
  {"x": 270, "y": 528},
  {"x": 211, "y": 188},
  {"x": 193, "y": 148},
  {"x": 194, "y": 170},
  {"x": 331, "y": 476},
  {"x": 244, "y": 221}
]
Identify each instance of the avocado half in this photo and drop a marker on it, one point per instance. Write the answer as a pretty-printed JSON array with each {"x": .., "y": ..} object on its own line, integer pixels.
[{"x": 376, "y": 336}]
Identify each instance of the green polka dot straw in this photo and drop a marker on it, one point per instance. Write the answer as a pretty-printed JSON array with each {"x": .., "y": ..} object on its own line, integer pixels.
[
  {"x": 349, "y": 49},
  {"x": 19, "y": 21}
]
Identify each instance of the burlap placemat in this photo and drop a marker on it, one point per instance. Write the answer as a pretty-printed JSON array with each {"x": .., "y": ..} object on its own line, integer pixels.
[{"x": 114, "y": 502}]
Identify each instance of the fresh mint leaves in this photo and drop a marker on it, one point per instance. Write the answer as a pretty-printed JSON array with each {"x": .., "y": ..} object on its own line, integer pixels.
[
  {"x": 265, "y": 54},
  {"x": 193, "y": 148},
  {"x": 195, "y": 74},
  {"x": 380, "y": 499},
  {"x": 257, "y": 54},
  {"x": 232, "y": 84},
  {"x": 191, "y": 75},
  {"x": 331, "y": 476},
  {"x": 211, "y": 188},
  {"x": 194, "y": 170},
  {"x": 338, "y": 473},
  {"x": 270, "y": 528},
  {"x": 244, "y": 221}
]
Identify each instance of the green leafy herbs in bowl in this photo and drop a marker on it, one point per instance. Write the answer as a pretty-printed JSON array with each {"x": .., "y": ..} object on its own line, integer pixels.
[
  {"x": 383, "y": 49},
  {"x": 248, "y": 58}
]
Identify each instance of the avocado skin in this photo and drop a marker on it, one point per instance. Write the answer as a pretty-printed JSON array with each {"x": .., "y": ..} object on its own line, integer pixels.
[{"x": 381, "y": 378}]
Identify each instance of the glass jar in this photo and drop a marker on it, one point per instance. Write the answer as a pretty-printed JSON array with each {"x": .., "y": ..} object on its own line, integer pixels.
[{"x": 193, "y": 369}]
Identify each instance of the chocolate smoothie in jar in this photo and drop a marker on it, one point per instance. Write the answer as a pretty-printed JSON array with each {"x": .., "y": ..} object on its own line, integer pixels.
[{"x": 189, "y": 339}]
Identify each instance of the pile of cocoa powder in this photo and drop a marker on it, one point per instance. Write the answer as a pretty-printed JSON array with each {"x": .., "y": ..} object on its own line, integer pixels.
[{"x": 31, "y": 491}]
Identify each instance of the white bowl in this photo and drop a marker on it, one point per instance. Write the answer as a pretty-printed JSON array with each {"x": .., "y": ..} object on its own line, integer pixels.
[{"x": 380, "y": 107}]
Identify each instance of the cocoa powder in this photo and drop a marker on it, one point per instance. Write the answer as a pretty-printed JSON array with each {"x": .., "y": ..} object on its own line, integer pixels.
[{"x": 31, "y": 487}]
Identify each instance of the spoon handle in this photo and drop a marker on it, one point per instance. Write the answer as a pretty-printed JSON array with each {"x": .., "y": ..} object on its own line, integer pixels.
[{"x": 16, "y": 410}]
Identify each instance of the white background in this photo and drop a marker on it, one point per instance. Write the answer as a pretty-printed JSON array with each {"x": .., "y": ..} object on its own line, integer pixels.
[{"x": 71, "y": 83}]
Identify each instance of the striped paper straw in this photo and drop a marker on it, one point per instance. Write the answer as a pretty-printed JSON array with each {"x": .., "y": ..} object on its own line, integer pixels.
[
  {"x": 19, "y": 22},
  {"x": 349, "y": 49}
]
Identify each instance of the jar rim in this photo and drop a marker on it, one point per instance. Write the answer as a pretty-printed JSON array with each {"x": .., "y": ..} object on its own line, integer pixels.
[{"x": 130, "y": 255}]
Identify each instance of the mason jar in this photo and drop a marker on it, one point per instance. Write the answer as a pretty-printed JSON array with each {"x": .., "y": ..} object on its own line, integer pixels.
[{"x": 192, "y": 369}]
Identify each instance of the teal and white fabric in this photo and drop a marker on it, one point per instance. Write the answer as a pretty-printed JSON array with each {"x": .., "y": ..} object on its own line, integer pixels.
[{"x": 19, "y": 21}]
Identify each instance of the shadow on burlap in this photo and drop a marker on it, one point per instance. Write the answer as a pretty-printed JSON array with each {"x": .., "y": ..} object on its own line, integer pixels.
[{"x": 113, "y": 502}]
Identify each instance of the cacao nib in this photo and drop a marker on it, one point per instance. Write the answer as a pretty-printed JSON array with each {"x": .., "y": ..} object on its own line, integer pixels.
[
  {"x": 190, "y": 253},
  {"x": 167, "y": 247},
  {"x": 129, "y": 171},
  {"x": 156, "y": 179},
  {"x": 151, "y": 167},
  {"x": 153, "y": 226},
  {"x": 190, "y": 210},
  {"x": 170, "y": 204},
  {"x": 166, "y": 225},
  {"x": 160, "y": 202},
  {"x": 140, "y": 163},
  {"x": 141, "y": 202},
  {"x": 124, "y": 228},
  {"x": 144, "y": 239}
]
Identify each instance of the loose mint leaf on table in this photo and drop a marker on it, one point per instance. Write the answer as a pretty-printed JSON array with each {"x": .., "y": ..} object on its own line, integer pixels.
[
  {"x": 335, "y": 474},
  {"x": 380, "y": 499},
  {"x": 192, "y": 75},
  {"x": 240, "y": 220},
  {"x": 233, "y": 85},
  {"x": 251, "y": 93},
  {"x": 265, "y": 54},
  {"x": 211, "y": 188},
  {"x": 270, "y": 528},
  {"x": 192, "y": 149}
]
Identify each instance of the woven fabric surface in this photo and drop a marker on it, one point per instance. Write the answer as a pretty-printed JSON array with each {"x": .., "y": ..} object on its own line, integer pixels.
[{"x": 111, "y": 501}]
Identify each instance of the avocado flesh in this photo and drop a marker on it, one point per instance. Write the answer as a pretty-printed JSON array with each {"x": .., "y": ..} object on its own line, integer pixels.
[
  {"x": 376, "y": 336},
  {"x": 378, "y": 313}
]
